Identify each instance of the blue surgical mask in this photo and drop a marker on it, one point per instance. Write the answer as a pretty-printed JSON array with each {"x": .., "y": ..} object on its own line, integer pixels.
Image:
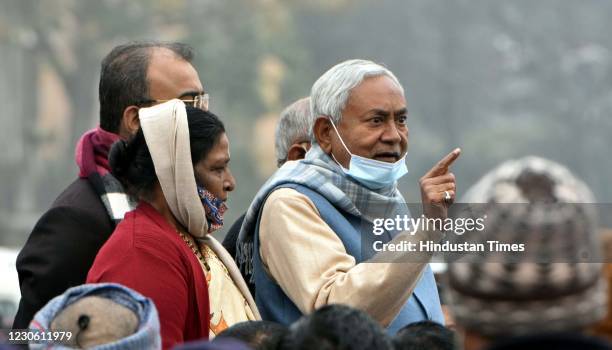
[{"x": 372, "y": 173}]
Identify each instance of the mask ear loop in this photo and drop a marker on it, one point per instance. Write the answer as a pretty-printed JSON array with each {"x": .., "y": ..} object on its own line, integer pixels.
[
  {"x": 337, "y": 162},
  {"x": 340, "y": 137},
  {"x": 331, "y": 153}
]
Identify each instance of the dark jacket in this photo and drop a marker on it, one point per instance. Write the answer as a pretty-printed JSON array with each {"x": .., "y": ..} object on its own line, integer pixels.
[
  {"x": 61, "y": 248},
  {"x": 229, "y": 242}
]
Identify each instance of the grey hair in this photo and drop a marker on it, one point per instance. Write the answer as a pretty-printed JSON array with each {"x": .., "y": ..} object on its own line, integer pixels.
[
  {"x": 331, "y": 91},
  {"x": 293, "y": 125}
]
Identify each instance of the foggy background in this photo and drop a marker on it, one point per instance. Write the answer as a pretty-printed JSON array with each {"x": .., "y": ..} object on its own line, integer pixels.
[{"x": 500, "y": 79}]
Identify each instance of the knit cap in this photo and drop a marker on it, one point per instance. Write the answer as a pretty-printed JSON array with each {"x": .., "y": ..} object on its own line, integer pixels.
[
  {"x": 555, "y": 285},
  {"x": 101, "y": 316}
]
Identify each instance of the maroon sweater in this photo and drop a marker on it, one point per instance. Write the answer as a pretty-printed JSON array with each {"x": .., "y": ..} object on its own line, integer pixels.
[{"x": 146, "y": 254}]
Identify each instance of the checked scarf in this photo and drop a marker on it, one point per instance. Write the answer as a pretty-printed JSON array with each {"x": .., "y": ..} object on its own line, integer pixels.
[
  {"x": 320, "y": 173},
  {"x": 92, "y": 158}
]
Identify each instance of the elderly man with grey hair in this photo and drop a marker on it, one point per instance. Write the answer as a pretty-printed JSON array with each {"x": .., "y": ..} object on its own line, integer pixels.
[
  {"x": 306, "y": 239},
  {"x": 292, "y": 139}
]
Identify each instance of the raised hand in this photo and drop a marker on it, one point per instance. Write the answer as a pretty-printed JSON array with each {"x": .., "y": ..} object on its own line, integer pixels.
[{"x": 438, "y": 188}]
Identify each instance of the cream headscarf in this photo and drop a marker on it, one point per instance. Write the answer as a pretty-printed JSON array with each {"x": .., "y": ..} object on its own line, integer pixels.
[
  {"x": 166, "y": 132},
  {"x": 167, "y": 135}
]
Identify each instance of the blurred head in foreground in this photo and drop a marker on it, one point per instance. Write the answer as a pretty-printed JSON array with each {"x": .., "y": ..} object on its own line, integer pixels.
[
  {"x": 105, "y": 315},
  {"x": 336, "y": 327},
  {"x": 554, "y": 284},
  {"x": 260, "y": 335},
  {"x": 424, "y": 335}
]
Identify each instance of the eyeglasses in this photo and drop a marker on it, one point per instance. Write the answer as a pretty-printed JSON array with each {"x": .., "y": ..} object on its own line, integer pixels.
[{"x": 199, "y": 101}]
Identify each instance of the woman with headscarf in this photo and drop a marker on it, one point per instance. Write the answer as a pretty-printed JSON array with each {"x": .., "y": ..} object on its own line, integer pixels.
[{"x": 177, "y": 167}]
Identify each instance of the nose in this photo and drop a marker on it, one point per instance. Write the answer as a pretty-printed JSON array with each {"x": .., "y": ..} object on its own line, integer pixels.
[
  {"x": 229, "y": 182},
  {"x": 391, "y": 134}
]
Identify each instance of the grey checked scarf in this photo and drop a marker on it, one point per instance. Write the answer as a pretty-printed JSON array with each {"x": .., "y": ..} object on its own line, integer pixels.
[{"x": 322, "y": 174}]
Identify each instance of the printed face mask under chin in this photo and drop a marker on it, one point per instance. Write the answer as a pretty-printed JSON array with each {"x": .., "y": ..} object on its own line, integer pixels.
[
  {"x": 214, "y": 208},
  {"x": 372, "y": 173}
]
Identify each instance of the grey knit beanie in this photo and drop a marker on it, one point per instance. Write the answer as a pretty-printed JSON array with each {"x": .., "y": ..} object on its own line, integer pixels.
[
  {"x": 549, "y": 290},
  {"x": 95, "y": 321},
  {"x": 104, "y": 316}
]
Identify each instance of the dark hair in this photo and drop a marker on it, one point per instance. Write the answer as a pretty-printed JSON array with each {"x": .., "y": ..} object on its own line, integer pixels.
[
  {"x": 424, "y": 335},
  {"x": 123, "y": 78},
  {"x": 338, "y": 327},
  {"x": 131, "y": 162},
  {"x": 260, "y": 335}
]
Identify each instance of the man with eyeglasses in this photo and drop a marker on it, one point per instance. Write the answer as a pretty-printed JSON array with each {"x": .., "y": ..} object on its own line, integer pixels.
[{"x": 66, "y": 239}]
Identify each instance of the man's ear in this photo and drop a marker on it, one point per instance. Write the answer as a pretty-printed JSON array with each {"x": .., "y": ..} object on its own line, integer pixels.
[
  {"x": 130, "y": 123},
  {"x": 322, "y": 130},
  {"x": 296, "y": 152}
]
